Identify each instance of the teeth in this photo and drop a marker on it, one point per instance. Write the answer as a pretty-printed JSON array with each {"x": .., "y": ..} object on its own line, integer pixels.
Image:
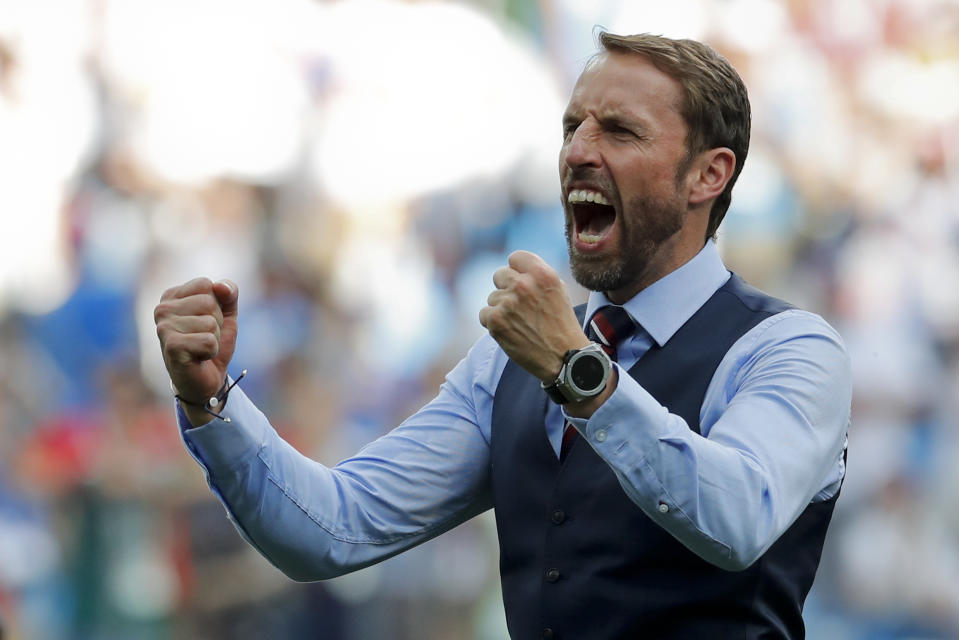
[
  {"x": 577, "y": 196},
  {"x": 589, "y": 238}
]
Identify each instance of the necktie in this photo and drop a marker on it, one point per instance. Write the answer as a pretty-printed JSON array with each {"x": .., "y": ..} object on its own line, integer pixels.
[{"x": 609, "y": 326}]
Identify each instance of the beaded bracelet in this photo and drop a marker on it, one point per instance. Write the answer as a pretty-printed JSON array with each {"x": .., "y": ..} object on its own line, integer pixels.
[{"x": 217, "y": 400}]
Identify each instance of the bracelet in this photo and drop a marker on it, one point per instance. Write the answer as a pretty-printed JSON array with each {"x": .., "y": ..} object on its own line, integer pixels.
[{"x": 217, "y": 400}]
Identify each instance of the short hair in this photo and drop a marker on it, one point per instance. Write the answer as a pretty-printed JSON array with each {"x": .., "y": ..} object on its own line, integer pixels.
[{"x": 715, "y": 105}]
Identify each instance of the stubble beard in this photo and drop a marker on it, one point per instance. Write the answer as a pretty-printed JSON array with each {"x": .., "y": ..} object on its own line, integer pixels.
[{"x": 646, "y": 223}]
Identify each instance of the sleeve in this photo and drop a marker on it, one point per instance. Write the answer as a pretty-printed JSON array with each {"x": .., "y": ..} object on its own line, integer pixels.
[
  {"x": 313, "y": 522},
  {"x": 774, "y": 425}
]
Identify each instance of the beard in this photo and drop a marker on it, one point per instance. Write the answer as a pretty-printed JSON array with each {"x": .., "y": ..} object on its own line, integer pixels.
[{"x": 645, "y": 224}]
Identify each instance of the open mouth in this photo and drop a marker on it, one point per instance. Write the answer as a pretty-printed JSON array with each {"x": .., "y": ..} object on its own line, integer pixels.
[{"x": 593, "y": 216}]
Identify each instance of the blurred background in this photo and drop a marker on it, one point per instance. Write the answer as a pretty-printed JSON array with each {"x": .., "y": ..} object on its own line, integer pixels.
[{"x": 360, "y": 168}]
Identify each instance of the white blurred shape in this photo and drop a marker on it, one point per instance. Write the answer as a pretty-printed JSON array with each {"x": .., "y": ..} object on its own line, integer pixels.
[
  {"x": 850, "y": 23},
  {"x": 752, "y": 25},
  {"x": 389, "y": 285},
  {"x": 29, "y": 553},
  {"x": 759, "y": 185},
  {"x": 220, "y": 93},
  {"x": 47, "y": 128},
  {"x": 678, "y": 19},
  {"x": 800, "y": 108},
  {"x": 142, "y": 585},
  {"x": 116, "y": 241},
  {"x": 426, "y": 95},
  {"x": 905, "y": 87}
]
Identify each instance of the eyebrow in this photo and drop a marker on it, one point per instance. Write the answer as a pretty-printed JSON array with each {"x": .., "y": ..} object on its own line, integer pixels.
[{"x": 610, "y": 116}]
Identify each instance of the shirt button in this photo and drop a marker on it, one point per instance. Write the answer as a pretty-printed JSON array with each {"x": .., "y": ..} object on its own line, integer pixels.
[
  {"x": 601, "y": 435},
  {"x": 663, "y": 507},
  {"x": 548, "y": 634},
  {"x": 558, "y": 516},
  {"x": 552, "y": 575}
]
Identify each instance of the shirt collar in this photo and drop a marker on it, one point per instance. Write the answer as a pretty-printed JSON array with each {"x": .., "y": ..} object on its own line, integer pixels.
[{"x": 664, "y": 306}]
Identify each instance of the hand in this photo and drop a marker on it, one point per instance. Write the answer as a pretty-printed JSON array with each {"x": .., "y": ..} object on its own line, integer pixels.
[
  {"x": 197, "y": 324},
  {"x": 531, "y": 317}
]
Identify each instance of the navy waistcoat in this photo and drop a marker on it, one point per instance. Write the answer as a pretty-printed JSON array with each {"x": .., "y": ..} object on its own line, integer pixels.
[{"x": 580, "y": 561}]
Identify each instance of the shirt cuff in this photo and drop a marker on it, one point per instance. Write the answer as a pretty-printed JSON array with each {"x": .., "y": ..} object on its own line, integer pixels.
[
  {"x": 629, "y": 413},
  {"x": 220, "y": 445}
]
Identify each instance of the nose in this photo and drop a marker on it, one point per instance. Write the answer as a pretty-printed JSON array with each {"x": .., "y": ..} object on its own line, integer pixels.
[{"x": 580, "y": 149}]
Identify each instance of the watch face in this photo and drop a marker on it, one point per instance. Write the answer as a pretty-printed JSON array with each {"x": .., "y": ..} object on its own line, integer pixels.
[{"x": 587, "y": 372}]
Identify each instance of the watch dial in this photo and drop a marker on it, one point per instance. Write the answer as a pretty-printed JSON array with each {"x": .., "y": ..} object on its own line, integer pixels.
[{"x": 587, "y": 373}]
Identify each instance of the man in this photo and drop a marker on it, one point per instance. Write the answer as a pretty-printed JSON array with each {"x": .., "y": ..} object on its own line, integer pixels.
[{"x": 683, "y": 489}]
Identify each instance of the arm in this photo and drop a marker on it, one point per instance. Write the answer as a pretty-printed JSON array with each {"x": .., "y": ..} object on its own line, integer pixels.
[
  {"x": 314, "y": 522},
  {"x": 423, "y": 478},
  {"x": 774, "y": 422}
]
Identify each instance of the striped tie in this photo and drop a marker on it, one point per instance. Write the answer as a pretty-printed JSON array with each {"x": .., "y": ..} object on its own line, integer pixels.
[{"x": 609, "y": 326}]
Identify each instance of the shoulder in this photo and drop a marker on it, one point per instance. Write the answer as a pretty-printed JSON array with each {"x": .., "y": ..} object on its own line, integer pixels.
[
  {"x": 783, "y": 336},
  {"x": 794, "y": 337},
  {"x": 739, "y": 291}
]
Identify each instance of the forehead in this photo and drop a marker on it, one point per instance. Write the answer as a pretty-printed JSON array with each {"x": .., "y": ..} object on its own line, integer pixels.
[{"x": 626, "y": 84}]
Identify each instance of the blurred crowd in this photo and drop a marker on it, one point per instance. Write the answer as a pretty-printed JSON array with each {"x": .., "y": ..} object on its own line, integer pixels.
[{"x": 360, "y": 168}]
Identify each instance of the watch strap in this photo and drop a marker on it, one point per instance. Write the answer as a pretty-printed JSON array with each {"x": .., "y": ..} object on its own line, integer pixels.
[
  {"x": 554, "y": 393},
  {"x": 555, "y": 389}
]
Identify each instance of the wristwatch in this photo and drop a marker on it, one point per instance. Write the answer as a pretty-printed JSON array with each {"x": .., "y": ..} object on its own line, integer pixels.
[{"x": 583, "y": 375}]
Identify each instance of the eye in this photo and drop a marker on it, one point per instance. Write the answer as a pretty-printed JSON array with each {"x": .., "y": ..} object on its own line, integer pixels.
[
  {"x": 569, "y": 128},
  {"x": 618, "y": 129}
]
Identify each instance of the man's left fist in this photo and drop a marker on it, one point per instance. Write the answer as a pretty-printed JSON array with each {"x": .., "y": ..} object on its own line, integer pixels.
[{"x": 530, "y": 315}]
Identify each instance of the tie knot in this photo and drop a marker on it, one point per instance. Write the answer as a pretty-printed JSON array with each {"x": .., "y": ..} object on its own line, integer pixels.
[{"x": 609, "y": 326}]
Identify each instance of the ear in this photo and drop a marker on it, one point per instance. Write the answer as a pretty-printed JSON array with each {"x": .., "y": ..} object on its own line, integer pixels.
[{"x": 710, "y": 174}]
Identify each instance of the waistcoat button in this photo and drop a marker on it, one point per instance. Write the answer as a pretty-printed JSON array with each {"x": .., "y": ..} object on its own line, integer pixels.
[
  {"x": 558, "y": 516},
  {"x": 548, "y": 634},
  {"x": 552, "y": 575}
]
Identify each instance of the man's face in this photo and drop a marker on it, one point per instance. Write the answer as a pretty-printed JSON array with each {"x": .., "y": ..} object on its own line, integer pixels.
[{"x": 624, "y": 141}]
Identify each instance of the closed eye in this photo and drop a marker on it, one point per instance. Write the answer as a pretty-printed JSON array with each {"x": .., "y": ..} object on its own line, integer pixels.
[{"x": 617, "y": 127}]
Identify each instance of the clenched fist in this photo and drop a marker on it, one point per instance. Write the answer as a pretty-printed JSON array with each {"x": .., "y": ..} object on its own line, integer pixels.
[
  {"x": 196, "y": 324},
  {"x": 531, "y": 317}
]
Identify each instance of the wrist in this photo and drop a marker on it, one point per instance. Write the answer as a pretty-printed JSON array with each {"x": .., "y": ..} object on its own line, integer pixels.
[
  {"x": 586, "y": 408},
  {"x": 201, "y": 413},
  {"x": 583, "y": 375}
]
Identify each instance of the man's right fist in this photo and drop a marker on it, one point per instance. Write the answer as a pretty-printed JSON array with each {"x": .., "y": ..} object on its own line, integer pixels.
[{"x": 196, "y": 324}]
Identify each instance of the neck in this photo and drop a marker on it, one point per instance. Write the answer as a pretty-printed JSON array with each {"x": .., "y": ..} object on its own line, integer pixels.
[{"x": 670, "y": 256}]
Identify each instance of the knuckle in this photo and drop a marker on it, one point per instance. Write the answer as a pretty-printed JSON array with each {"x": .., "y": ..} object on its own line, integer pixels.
[
  {"x": 203, "y": 283},
  {"x": 208, "y": 345},
  {"x": 494, "y": 319},
  {"x": 161, "y": 311},
  {"x": 524, "y": 284},
  {"x": 542, "y": 272},
  {"x": 181, "y": 357},
  {"x": 209, "y": 324},
  {"x": 172, "y": 350}
]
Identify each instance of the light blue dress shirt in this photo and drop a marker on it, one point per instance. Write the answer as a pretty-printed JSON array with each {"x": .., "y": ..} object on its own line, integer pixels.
[{"x": 773, "y": 424}]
